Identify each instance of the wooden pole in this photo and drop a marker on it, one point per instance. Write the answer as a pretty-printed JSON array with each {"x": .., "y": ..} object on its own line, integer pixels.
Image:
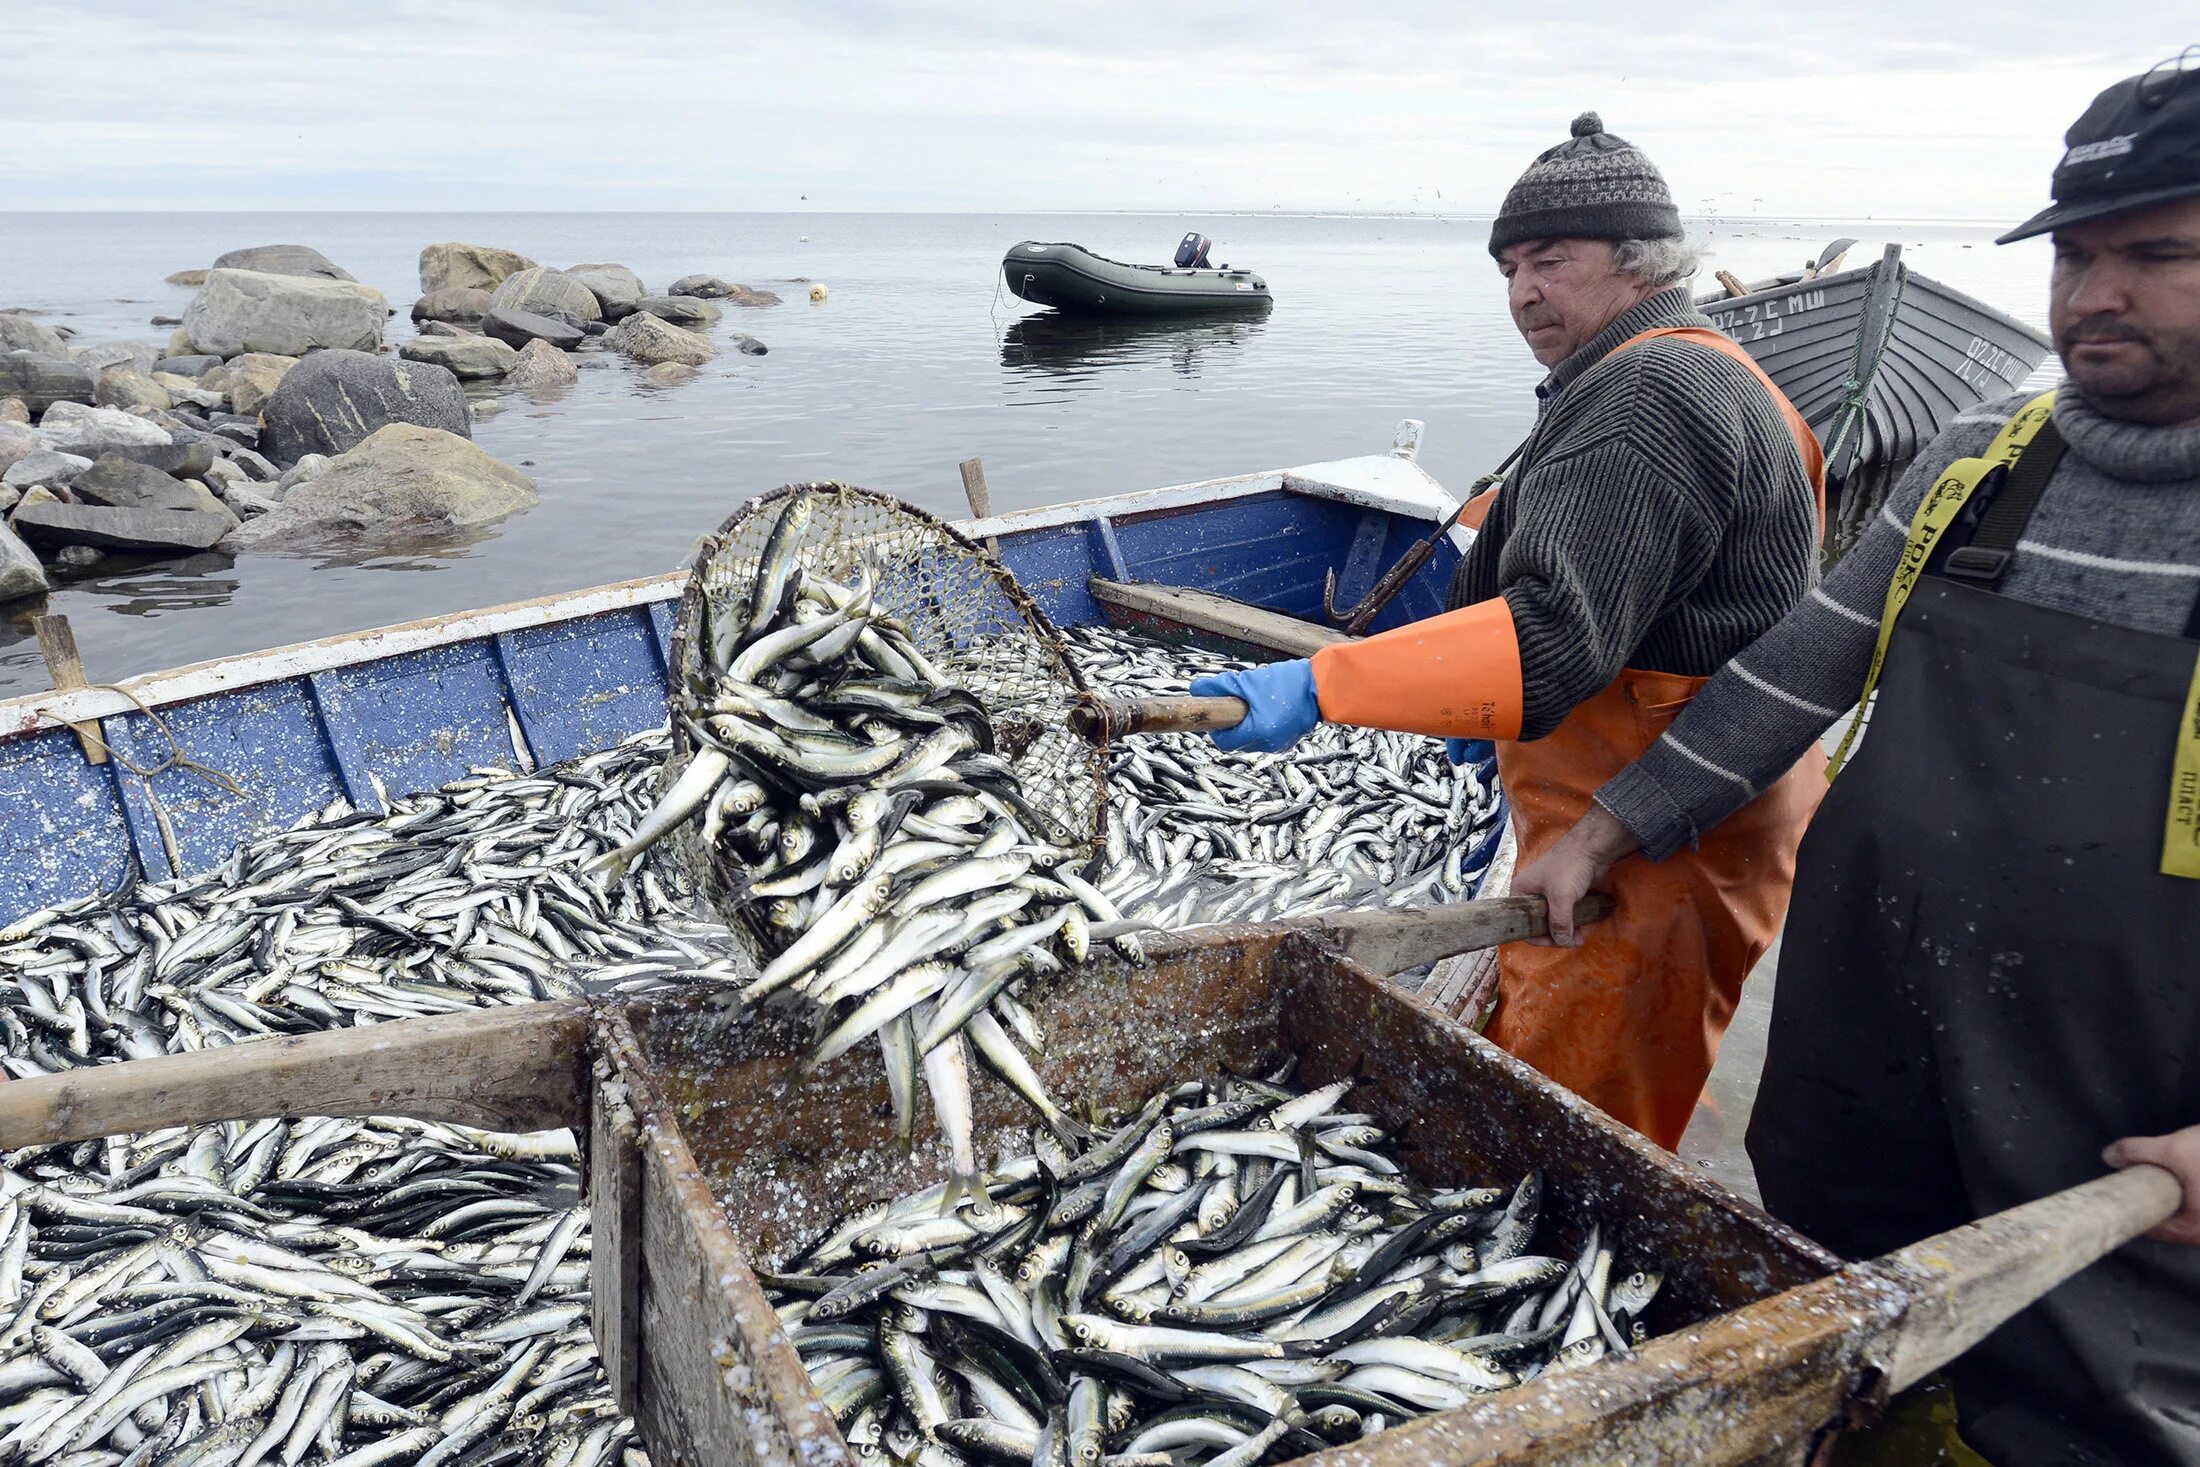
[
  {"x": 57, "y": 644},
  {"x": 980, "y": 495}
]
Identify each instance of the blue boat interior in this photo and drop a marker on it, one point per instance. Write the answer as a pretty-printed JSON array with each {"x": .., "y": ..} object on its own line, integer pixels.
[{"x": 192, "y": 780}]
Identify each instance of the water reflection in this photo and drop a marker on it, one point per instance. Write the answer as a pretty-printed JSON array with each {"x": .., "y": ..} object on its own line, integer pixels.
[{"x": 1078, "y": 346}]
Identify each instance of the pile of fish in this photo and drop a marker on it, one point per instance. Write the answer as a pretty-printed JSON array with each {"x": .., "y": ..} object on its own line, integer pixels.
[
  {"x": 1232, "y": 1271},
  {"x": 1349, "y": 817},
  {"x": 851, "y": 803}
]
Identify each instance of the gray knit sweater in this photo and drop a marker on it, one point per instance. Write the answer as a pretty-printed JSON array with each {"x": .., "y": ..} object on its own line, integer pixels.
[
  {"x": 2115, "y": 537},
  {"x": 1660, "y": 517}
]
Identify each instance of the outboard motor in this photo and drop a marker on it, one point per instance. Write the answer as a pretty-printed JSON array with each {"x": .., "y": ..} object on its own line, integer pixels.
[{"x": 1192, "y": 253}]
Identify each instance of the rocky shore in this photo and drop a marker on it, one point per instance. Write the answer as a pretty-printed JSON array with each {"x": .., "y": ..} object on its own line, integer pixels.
[{"x": 280, "y": 415}]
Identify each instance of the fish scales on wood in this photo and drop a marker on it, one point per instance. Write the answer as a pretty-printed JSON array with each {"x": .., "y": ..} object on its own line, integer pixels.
[{"x": 1323, "y": 1297}]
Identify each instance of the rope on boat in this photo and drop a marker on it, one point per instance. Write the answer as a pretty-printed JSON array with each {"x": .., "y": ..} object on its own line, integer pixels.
[{"x": 177, "y": 757}]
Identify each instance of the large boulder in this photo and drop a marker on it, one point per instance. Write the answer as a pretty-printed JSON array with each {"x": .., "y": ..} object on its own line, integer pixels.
[
  {"x": 74, "y": 428},
  {"x": 19, "y": 332},
  {"x": 191, "y": 366},
  {"x": 17, "y": 441},
  {"x": 42, "y": 379},
  {"x": 464, "y": 357},
  {"x": 681, "y": 310},
  {"x": 242, "y": 311},
  {"x": 542, "y": 365},
  {"x": 192, "y": 278},
  {"x": 137, "y": 531},
  {"x": 124, "y": 388},
  {"x": 648, "y": 339},
  {"x": 250, "y": 380},
  {"x": 474, "y": 267},
  {"x": 121, "y": 483},
  {"x": 20, "y": 573},
  {"x": 401, "y": 477},
  {"x": 451, "y": 303},
  {"x": 546, "y": 292},
  {"x": 14, "y": 410},
  {"x": 617, "y": 289},
  {"x": 284, "y": 260},
  {"x": 516, "y": 328},
  {"x": 707, "y": 286},
  {"x": 138, "y": 356},
  {"x": 334, "y": 400},
  {"x": 44, "y": 466}
]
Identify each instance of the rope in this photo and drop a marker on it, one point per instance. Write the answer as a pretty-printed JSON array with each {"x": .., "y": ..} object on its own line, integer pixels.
[
  {"x": 177, "y": 758},
  {"x": 1856, "y": 388}
]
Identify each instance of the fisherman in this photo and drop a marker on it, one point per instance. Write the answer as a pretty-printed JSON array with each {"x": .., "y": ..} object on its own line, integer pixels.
[
  {"x": 1993, "y": 966},
  {"x": 1665, "y": 510}
]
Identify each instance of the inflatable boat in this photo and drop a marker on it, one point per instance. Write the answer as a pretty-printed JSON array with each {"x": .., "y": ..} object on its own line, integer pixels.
[{"x": 1071, "y": 278}]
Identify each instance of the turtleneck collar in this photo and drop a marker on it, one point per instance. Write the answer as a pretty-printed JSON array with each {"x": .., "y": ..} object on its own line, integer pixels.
[
  {"x": 1670, "y": 306},
  {"x": 2137, "y": 452}
]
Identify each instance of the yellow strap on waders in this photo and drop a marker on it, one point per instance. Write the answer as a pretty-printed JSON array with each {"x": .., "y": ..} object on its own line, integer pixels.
[
  {"x": 1935, "y": 513},
  {"x": 2181, "y": 830}
]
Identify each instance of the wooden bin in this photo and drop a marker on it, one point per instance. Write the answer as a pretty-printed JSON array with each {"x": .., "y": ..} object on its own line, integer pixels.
[{"x": 701, "y": 1169}]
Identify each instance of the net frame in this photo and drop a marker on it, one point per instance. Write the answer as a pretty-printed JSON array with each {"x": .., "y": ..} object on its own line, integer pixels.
[{"x": 960, "y": 605}]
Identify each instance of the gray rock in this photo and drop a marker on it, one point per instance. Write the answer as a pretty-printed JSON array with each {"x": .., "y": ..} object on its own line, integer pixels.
[
  {"x": 444, "y": 328},
  {"x": 186, "y": 460},
  {"x": 249, "y": 499},
  {"x": 741, "y": 295},
  {"x": 545, "y": 291},
  {"x": 334, "y": 400},
  {"x": 681, "y": 310},
  {"x": 192, "y": 278},
  {"x": 121, "y": 484},
  {"x": 451, "y": 303},
  {"x": 464, "y": 357},
  {"x": 473, "y": 267},
  {"x": 20, "y": 573},
  {"x": 14, "y": 410},
  {"x": 8, "y": 498},
  {"x": 209, "y": 502},
  {"x": 242, "y": 311},
  {"x": 645, "y": 338},
  {"x": 166, "y": 321},
  {"x": 708, "y": 286},
  {"x": 488, "y": 407},
  {"x": 221, "y": 473},
  {"x": 123, "y": 388},
  {"x": 540, "y": 365},
  {"x": 19, "y": 332},
  {"x": 252, "y": 463},
  {"x": 312, "y": 466},
  {"x": 235, "y": 428},
  {"x": 44, "y": 467},
  {"x": 516, "y": 328},
  {"x": 73, "y": 427},
  {"x": 186, "y": 390},
  {"x": 616, "y": 289},
  {"x": 283, "y": 260},
  {"x": 748, "y": 345},
  {"x": 670, "y": 374},
  {"x": 42, "y": 380},
  {"x": 18, "y": 442},
  {"x": 78, "y": 557},
  {"x": 143, "y": 531},
  {"x": 597, "y": 328},
  {"x": 402, "y": 476},
  {"x": 136, "y": 356},
  {"x": 194, "y": 366}
]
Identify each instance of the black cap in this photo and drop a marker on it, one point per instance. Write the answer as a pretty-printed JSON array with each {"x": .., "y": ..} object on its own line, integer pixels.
[{"x": 2138, "y": 145}]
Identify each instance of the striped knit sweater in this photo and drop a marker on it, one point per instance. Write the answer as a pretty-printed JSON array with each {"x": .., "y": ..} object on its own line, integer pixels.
[
  {"x": 1660, "y": 517},
  {"x": 2115, "y": 537}
]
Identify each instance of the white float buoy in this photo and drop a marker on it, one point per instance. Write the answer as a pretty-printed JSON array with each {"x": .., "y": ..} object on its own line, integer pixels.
[{"x": 818, "y": 292}]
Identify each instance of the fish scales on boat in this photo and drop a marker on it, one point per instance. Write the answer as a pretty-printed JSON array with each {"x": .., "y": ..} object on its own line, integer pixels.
[
  {"x": 1349, "y": 817},
  {"x": 1256, "y": 1280}
]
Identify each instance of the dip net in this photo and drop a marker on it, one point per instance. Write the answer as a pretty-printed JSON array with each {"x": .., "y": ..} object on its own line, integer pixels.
[{"x": 956, "y": 603}]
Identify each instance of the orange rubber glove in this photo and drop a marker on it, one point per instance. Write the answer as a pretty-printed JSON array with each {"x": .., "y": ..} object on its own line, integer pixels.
[{"x": 1451, "y": 676}]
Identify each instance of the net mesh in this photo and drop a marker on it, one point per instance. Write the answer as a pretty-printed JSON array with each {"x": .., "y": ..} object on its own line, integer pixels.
[{"x": 958, "y": 604}]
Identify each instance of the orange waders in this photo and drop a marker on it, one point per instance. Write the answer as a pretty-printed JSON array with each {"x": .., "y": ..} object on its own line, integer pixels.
[{"x": 1630, "y": 1020}]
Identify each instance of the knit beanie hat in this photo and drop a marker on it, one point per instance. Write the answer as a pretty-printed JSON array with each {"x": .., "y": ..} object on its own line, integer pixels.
[{"x": 1592, "y": 186}]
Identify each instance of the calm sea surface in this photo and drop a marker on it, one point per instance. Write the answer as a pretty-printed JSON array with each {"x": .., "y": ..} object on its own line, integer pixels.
[{"x": 916, "y": 362}]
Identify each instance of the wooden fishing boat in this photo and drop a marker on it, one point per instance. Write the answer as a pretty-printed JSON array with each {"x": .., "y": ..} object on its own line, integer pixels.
[
  {"x": 94, "y": 779},
  {"x": 702, "y": 1167},
  {"x": 1937, "y": 352}
]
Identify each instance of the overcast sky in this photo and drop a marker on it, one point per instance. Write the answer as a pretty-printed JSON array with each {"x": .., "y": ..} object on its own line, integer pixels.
[{"x": 1889, "y": 108}]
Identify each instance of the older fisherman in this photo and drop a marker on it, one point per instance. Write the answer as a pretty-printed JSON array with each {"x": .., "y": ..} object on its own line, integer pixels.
[
  {"x": 1665, "y": 511},
  {"x": 1993, "y": 967}
]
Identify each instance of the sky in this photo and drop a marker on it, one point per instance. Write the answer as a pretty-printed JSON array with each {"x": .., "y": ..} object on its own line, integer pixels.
[{"x": 1913, "y": 109}]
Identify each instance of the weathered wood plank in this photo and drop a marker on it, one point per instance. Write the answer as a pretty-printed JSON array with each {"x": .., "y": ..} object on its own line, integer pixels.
[
  {"x": 1387, "y": 942},
  {"x": 1204, "y": 611},
  {"x": 615, "y": 1218},
  {"x": 508, "y": 1069}
]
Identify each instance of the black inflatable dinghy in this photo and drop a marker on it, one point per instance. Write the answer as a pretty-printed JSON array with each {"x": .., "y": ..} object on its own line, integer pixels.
[{"x": 1073, "y": 279}]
